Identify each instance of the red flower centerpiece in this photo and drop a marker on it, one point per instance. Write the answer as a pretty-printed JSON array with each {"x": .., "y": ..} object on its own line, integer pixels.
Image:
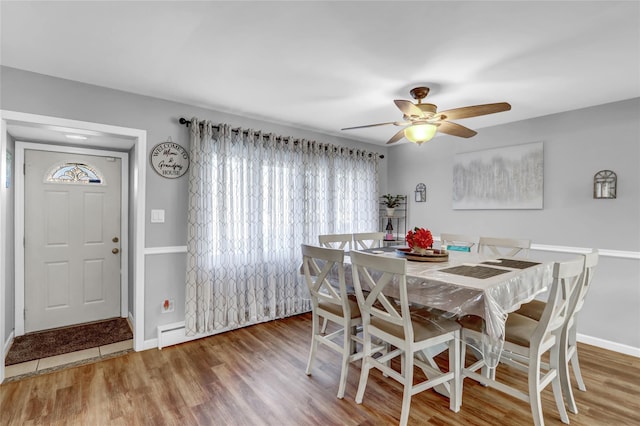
[{"x": 419, "y": 240}]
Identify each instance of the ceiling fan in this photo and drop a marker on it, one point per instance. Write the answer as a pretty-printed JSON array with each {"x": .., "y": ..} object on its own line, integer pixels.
[{"x": 422, "y": 120}]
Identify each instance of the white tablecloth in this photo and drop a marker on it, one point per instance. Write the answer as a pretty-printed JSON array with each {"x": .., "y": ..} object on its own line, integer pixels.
[{"x": 490, "y": 298}]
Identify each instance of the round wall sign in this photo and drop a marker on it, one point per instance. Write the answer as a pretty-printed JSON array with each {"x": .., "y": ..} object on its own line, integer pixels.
[{"x": 170, "y": 160}]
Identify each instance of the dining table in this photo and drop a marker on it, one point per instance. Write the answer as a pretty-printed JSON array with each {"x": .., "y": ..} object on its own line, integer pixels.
[{"x": 466, "y": 283}]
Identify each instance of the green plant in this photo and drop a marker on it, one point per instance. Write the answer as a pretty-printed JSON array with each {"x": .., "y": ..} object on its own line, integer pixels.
[{"x": 392, "y": 201}]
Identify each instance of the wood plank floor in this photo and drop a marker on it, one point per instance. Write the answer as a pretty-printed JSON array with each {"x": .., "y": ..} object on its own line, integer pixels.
[{"x": 255, "y": 376}]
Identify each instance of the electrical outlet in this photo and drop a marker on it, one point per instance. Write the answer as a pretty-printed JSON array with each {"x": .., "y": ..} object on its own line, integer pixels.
[{"x": 167, "y": 306}]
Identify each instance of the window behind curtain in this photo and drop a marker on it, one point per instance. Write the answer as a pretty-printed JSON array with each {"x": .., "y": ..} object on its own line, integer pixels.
[{"x": 261, "y": 199}]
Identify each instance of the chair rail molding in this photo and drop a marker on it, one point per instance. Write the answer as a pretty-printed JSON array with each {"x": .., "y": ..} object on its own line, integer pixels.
[
  {"x": 622, "y": 254},
  {"x": 150, "y": 251}
]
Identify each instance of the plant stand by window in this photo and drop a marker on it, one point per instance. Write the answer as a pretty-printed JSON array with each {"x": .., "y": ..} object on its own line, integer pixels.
[{"x": 393, "y": 222}]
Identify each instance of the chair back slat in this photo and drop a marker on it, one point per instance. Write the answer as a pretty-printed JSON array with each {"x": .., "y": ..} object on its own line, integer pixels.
[
  {"x": 324, "y": 274},
  {"x": 379, "y": 304},
  {"x": 367, "y": 240},
  {"x": 336, "y": 241},
  {"x": 580, "y": 292},
  {"x": 507, "y": 247},
  {"x": 590, "y": 263},
  {"x": 375, "y": 274},
  {"x": 567, "y": 277}
]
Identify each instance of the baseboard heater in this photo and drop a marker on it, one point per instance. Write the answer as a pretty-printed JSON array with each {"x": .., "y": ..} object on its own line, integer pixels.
[{"x": 171, "y": 334}]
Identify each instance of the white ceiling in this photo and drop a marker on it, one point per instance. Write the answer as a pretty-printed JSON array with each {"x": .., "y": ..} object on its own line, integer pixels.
[{"x": 327, "y": 65}]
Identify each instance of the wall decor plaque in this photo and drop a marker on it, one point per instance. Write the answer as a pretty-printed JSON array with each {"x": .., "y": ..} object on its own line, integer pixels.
[{"x": 169, "y": 159}]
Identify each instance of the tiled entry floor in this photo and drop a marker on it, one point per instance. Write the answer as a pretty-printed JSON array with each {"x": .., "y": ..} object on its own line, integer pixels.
[{"x": 44, "y": 365}]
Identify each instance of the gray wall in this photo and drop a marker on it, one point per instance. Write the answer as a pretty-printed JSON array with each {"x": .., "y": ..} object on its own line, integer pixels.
[
  {"x": 39, "y": 94},
  {"x": 577, "y": 144}
]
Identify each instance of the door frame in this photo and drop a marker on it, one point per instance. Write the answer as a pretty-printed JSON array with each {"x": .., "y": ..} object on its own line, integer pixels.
[
  {"x": 20, "y": 301},
  {"x": 137, "y": 147}
]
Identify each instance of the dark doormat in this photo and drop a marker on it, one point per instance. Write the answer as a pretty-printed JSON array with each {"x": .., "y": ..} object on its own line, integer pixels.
[{"x": 43, "y": 344}]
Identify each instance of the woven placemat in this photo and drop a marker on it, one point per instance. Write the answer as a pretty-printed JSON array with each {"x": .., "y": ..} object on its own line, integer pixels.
[
  {"x": 513, "y": 263},
  {"x": 473, "y": 271},
  {"x": 377, "y": 250}
]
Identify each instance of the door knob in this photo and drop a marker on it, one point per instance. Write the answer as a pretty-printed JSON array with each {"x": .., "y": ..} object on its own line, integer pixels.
[
  {"x": 115, "y": 251},
  {"x": 115, "y": 239}
]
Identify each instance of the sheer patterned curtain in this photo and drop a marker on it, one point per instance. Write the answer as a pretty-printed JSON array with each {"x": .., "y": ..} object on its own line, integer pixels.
[{"x": 253, "y": 199}]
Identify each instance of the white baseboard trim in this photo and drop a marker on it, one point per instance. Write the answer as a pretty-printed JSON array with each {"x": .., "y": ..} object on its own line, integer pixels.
[
  {"x": 150, "y": 344},
  {"x": 136, "y": 338},
  {"x": 608, "y": 345}
]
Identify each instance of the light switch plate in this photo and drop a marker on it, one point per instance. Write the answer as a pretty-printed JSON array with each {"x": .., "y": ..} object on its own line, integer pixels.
[{"x": 157, "y": 216}]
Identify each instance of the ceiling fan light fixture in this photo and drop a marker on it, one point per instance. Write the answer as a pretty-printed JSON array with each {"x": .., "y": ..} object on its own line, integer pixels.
[
  {"x": 424, "y": 120},
  {"x": 419, "y": 133}
]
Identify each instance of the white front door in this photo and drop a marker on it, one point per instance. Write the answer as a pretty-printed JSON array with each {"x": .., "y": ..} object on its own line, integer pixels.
[{"x": 72, "y": 238}]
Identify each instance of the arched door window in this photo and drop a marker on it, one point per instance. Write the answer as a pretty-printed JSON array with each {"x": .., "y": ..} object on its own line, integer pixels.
[{"x": 78, "y": 173}]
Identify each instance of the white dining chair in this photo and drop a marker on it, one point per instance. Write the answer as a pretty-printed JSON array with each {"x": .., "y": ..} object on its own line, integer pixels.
[
  {"x": 337, "y": 241},
  {"x": 507, "y": 247},
  {"x": 569, "y": 351},
  {"x": 391, "y": 321},
  {"x": 367, "y": 240},
  {"x": 527, "y": 341},
  {"x": 331, "y": 302},
  {"x": 456, "y": 242}
]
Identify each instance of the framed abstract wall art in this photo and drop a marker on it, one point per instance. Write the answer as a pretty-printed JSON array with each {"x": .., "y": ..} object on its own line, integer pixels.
[{"x": 509, "y": 177}]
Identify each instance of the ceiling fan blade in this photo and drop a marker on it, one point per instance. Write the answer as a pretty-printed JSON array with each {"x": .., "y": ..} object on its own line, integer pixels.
[
  {"x": 455, "y": 129},
  {"x": 395, "y": 138},
  {"x": 408, "y": 108},
  {"x": 371, "y": 125},
  {"x": 474, "y": 111}
]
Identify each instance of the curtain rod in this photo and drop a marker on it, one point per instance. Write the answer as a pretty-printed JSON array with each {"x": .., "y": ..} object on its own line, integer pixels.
[{"x": 187, "y": 123}]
